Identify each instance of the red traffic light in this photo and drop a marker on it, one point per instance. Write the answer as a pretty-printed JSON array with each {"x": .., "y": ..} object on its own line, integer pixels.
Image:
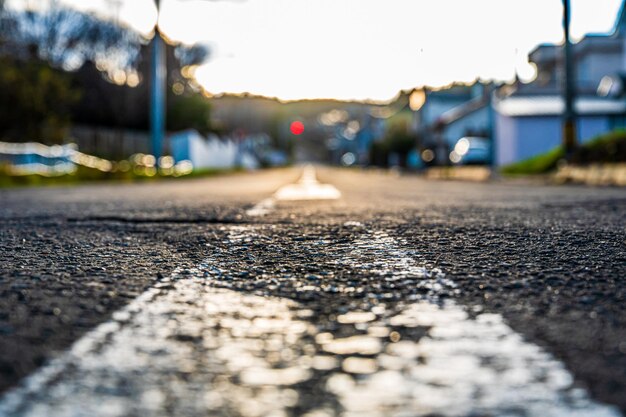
[{"x": 297, "y": 128}]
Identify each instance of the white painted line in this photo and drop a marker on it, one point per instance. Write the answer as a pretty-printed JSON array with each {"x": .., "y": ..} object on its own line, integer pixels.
[
  {"x": 307, "y": 188},
  {"x": 463, "y": 367},
  {"x": 262, "y": 208},
  {"x": 181, "y": 354},
  {"x": 185, "y": 348}
]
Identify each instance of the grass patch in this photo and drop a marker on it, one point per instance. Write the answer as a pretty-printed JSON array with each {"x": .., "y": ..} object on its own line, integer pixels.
[
  {"x": 608, "y": 148},
  {"x": 210, "y": 172},
  {"x": 87, "y": 175},
  {"x": 539, "y": 164}
]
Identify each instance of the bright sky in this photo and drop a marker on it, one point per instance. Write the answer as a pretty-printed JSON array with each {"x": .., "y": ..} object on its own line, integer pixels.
[{"x": 359, "y": 49}]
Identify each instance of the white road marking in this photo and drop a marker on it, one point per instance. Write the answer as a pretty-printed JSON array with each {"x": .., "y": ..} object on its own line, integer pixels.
[
  {"x": 307, "y": 188},
  {"x": 262, "y": 208},
  {"x": 177, "y": 352},
  {"x": 463, "y": 367},
  {"x": 185, "y": 348}
]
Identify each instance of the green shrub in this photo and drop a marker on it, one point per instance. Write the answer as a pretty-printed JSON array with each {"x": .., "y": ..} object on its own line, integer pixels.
[{"x": 607, "y": 148}]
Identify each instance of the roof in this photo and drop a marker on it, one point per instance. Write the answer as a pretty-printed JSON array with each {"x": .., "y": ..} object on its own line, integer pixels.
[
  {"x": 590, "y": 43},
  {"x": 464, "y": 110},
  {"x": 550, "y": 51},
  {"x": 524, "y": 106},
  {"x": 544, "y": 52},
  {"x": 620, "y": 23}
]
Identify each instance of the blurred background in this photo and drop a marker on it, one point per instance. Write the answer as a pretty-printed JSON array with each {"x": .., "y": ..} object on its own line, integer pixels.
[{"x": 139, "y": 89}]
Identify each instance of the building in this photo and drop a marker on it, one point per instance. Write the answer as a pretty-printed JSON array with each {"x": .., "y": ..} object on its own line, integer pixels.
[
  {"x": 451, "y": 113},
  {"x": 212, "y": 152},
  {"x": 527, "y": 120}
]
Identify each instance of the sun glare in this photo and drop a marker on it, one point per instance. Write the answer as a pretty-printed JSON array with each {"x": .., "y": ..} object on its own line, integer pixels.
[{"x": 356, "y": 49}]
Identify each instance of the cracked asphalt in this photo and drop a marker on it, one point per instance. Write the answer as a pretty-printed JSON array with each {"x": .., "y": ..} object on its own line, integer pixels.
[{"x": 549, "y": 260}]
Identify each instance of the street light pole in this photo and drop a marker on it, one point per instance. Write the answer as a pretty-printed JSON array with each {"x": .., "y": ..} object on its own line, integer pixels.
[
  {"x": 157, "y": 90},
  {"x": 569, "y": 84}
]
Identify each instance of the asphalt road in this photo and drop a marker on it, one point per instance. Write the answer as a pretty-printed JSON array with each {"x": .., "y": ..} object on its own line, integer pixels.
[{"x": 400, "y": 297}]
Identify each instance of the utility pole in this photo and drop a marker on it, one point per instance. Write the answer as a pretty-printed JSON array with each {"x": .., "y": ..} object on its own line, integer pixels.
[
  {"x": 115, "y": 6},
  {"x": 157, "y": 90},
  {"x": 569, "y": 87}
]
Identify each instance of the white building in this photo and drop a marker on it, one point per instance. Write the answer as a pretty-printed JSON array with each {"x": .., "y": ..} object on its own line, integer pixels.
[{"x": 210, "y": 152}]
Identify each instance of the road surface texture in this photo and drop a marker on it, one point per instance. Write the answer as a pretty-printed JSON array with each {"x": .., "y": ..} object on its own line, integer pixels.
[{"x": 313, "y": 292}]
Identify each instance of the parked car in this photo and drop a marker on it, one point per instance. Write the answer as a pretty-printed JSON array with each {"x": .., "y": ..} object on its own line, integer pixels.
[{"x": 471, "y": 150}]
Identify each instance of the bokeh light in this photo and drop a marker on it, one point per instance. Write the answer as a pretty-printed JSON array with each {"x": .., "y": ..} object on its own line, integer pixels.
[{"x": 296, "y": 128}]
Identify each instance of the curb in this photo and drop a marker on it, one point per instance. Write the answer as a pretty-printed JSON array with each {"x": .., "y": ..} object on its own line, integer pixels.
[
  {"x": 476, "y": 173},
  {"x": 597, "y": 174}
]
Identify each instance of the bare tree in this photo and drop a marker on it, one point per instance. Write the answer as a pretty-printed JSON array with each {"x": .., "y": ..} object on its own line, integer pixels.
[{"x": 67, "y": 38}]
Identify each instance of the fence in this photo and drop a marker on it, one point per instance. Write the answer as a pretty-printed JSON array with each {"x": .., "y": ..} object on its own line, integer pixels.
[{"x": 36, "y": 158}]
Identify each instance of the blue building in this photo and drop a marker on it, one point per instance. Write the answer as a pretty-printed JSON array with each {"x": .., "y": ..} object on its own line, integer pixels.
[
  {"x": 528, "y": 116},
  {"x": 449, "y": 114}
]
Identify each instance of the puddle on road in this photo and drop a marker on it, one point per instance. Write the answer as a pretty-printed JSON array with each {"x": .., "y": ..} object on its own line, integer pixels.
[{"x": 186, "y": 348}]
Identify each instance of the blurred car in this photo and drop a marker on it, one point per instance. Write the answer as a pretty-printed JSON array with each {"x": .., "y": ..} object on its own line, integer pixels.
[{"x": 471, "y": 150}]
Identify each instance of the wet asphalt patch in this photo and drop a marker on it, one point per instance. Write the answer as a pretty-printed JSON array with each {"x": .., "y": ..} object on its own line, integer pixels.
[
  {"x": 203, "y": 341},
  {"x": 551, "y": 265},
  {"x": 154, "y": 220}
]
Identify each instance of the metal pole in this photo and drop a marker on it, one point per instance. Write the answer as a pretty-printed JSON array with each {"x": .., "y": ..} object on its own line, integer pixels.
[
  {"x": 157, "y": 93},
  {"x": 569, "y": 116},
  {"x": 493, "y": 151}
]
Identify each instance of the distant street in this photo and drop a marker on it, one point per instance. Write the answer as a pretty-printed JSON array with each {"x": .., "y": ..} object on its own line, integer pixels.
[{"x": 313, "y": 292}]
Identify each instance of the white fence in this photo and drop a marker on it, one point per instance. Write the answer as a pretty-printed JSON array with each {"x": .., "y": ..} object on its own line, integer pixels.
[{"x": 37, "y": 158}]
